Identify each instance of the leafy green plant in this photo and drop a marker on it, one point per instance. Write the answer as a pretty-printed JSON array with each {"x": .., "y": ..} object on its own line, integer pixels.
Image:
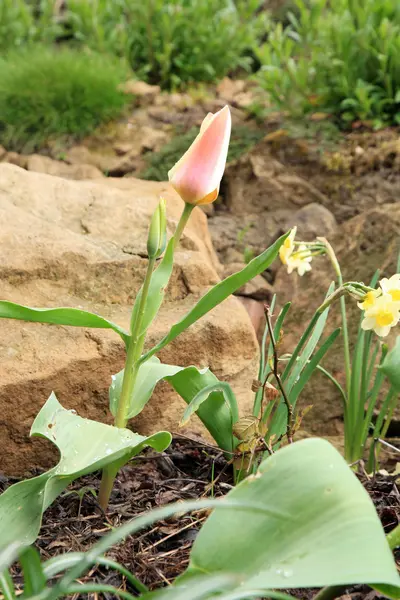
[
  {"x": 321, "y": 527},
  {"x": 170, "y": 43},
  {"x": 339, "y": 57},
  {"x": 85, "y": 445},
  {"x": 47, "y": 93},
  {"x": 366, "y": 387}
]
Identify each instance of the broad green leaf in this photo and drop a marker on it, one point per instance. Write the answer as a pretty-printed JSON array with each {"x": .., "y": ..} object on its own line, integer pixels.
[
  {"x": 204, "y": 394},
  {"x": 331, "y": 536},
  {"x": 158, "y": 283},
  {"x": 200, "y": 588},
  {"x": 391, "y": 365},
  {"x": 217, "y": 416},
  {"x": 59, "y": 316},
  {"x": 85, "y": 446},
  {"x": 149, "y": 374},
  {"x": 214, "y": 412},
  {"x": 34, "y": 579},
  {"x": 223, "y": 586},
  {"x": 219, "y": 293}
]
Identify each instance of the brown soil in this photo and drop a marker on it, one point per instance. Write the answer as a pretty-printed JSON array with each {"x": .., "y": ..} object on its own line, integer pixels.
[{"x": 187, "y": 470}]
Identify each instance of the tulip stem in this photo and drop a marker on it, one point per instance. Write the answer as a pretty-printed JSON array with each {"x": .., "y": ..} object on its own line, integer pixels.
[
  {"x": 134, "y": 352},
  {"x": 187, "y": 211},
  {"x": 135, "y": 347}
]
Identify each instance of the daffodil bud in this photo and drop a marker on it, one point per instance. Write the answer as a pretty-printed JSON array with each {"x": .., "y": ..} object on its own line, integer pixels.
[{"x": 157, "y": 237}]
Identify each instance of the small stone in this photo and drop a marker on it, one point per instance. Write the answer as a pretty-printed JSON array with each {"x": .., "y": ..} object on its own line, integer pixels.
[
  {"x": 44, "y": 164},
  {"x": 312, "y": 221},
  {"x": 228, "y": 88},
  {"x": 140, "y": 89},
  {"x": 20, "y": 160}
]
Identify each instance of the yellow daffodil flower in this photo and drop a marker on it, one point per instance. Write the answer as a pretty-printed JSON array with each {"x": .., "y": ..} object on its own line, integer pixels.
[
  {"x": 369, "y": 299},
  {"x": 382, "y": 315},
  {"x": 299, "y": 260},
  {"x": 286, "y": 250},
  {"x": 391, "y": 286}
]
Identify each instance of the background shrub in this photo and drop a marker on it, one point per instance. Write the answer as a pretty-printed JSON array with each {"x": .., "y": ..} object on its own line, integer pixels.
[
  {"x": 342, "y": 57},
  {"x": 171, "y": 43},
  {"x": 22, "y": 22},
  {"x": 46, "y": 92}
]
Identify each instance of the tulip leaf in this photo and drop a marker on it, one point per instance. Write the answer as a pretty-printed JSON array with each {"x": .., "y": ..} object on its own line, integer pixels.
[
  {"x": 73, "y": 317},
  {"x": 85, "y": 446},
  {"x": 150, "y": 373},
  {"x": 331, "y": 535},
  {"x": 158, "y": 283},
  {"x": 391, "y": 365},
  {"x": 219, "y": 293},
  {"x": 205, "y": 587},
  {"x": 215, "y": 412},
  {"x": 204, "y": 394}
]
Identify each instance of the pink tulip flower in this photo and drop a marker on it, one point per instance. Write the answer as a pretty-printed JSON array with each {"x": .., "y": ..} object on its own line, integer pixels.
[{"x": 197, "y": 175}]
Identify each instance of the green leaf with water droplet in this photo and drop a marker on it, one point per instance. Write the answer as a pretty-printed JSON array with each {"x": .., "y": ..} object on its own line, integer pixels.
[
  {"x": 331, "y": 534},
  {"x": 85, "y": 446}
]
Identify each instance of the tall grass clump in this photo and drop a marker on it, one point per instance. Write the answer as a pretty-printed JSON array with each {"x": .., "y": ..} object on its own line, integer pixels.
[
  {"x": 48, "y": 93},
  {"x": 341, "y": 57},
  {"x": 173, "y": 42}
]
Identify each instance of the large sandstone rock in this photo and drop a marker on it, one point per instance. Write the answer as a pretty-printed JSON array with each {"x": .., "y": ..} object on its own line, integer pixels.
[
  {"x": 83, "y": 244},
  {"x": 364, "y": 244}
]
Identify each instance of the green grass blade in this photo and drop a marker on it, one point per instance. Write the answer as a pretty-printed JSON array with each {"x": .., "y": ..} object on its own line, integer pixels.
[
  {"x": 264, "y": 340},
  {"x": 7, "y": 586},
  {"x": 34, "y": 579},
  {"x": 72, "y": 317},
  {"x": 266, "y": 368},
  {"x": 314, "y": 329},
  {"x": 54, "y": 566},
  {"x": 278, "y": 424},
  {"x": 372, "y": 400},
  {"x": 98, "y": 588},
  {"x": 334, "y": 381}
]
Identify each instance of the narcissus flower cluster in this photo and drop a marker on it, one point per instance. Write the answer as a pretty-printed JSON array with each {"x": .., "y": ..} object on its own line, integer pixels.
[
  {"x": 382, "y": 306},
  {"x": 294, "y": 255}
]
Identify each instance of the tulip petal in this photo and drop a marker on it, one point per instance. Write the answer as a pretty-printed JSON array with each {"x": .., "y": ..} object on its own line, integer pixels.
[{"x": 197, "y": 175}]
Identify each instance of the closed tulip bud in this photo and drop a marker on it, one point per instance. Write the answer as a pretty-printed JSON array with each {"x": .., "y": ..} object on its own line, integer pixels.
[
  {"x": 157, "y": 237},
  {"x": 197, "y": 175}
]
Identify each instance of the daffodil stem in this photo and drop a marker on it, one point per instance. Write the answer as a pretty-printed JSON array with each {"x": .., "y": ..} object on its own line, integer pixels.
[{"x": 345, "y": 332}]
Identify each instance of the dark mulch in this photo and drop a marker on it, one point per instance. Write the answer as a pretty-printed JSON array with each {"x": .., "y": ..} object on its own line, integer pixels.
[{"x": 187, "y": 470}]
